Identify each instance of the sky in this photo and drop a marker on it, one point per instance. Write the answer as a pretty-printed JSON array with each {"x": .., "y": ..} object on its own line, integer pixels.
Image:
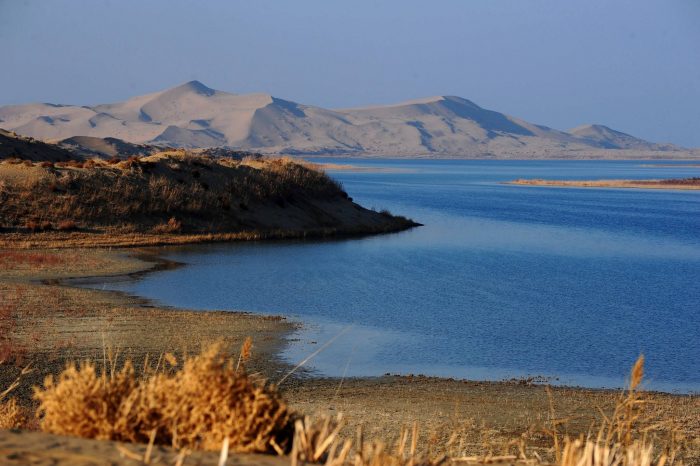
[{"x": 633, "y": 65}]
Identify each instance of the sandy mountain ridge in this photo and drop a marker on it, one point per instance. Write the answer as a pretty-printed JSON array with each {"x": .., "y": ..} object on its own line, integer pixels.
[{"x": 193, "y": 115}]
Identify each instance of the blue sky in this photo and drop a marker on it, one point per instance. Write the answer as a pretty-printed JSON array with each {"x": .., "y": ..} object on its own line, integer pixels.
[{"x": 633, "y": 65}]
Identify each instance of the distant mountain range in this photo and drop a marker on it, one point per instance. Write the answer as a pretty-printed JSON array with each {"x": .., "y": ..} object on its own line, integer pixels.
[{"x": 193, "y": 115}]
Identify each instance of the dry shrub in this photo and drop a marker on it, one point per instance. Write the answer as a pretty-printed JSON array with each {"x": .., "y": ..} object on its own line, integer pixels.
[
  {"x": 172, "y": 226},
  {"x": 198, "y": 405},
  {"x": 66, "y": 225},
  {"x": 12, "y": 416}
]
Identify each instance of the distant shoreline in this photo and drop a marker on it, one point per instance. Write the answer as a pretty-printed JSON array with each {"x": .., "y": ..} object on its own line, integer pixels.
[{"x": 688, "y": 184}]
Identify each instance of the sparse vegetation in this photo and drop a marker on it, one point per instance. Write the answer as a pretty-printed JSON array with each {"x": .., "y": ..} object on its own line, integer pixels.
[
  {"x": 209, "y": 401},
  {"x": 178, "y": 194},
  {"x": 197, "y": 405}
]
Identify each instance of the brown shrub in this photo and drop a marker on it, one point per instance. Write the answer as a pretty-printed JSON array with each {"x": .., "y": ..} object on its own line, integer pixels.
[
  {"x": 198, "y": 406},
  {"x": 12, "y": 416},
  {"x": 35, "y": 226},
  {"x": 173, "y": 226},
  {"x": 47, "y": 164},
  {"x": 66, "y": 225},
  {"x": 32, "y": 225}
]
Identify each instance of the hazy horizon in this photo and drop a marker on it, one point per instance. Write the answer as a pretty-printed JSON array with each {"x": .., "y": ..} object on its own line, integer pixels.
[{"x": 632, "y": 66}]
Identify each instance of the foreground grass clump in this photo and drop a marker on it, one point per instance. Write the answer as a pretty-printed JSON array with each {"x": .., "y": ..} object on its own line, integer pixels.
[
  {"x": 210, "y": 403},
  {"x": 12, "y": 415},
  {"x": 198, "y": 405}
]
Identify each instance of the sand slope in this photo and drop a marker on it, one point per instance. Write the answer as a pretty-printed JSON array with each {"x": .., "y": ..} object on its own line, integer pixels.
[{"x": 194, "y": 115}]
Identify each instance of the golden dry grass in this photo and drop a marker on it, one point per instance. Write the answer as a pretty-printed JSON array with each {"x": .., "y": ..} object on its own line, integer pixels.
[
  {"x": 209, "y": 400},
  {"x": 196, "y": 405},
  {"x": 174, "y": 198},
  {"x": 12, "y": 416}
]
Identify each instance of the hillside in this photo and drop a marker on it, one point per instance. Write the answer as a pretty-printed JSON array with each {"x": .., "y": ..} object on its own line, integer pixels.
[
  {"x": 176, "y": 197},
  {"x": 13, "y": 146},
  {"x": 610, "y": 139},
  {"x": 193, "y": 115}
]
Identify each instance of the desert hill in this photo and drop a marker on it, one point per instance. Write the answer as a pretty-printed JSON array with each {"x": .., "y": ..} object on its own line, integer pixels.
[
  {"x": 193, "y": 115},
  {"x": 13, "y": 146},
  {"x": 612, "y": 139},
  {"x": 176, "y": 197}
]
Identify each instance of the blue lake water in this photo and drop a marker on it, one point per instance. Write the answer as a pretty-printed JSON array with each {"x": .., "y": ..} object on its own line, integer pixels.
[{"x": 502, "y": 281}]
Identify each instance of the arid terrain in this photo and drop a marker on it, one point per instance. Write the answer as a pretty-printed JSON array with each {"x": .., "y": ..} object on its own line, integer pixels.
[
  {"x": 172, "y": 197},
  {"x": 46, "y": 323},
  {"x": 58, "y": 215},
  {"x": 193, "y": 115}
]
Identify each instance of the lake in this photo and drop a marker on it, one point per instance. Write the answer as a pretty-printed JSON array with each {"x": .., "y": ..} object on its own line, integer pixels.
[{"x": 502, "y": 281}]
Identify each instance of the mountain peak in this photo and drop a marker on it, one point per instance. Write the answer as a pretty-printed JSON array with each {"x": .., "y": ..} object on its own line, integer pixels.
[{"x": 195, "y": 86}]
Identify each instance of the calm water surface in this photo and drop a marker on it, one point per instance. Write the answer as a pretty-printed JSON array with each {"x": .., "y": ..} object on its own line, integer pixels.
[{"x": 502, "y": 281}]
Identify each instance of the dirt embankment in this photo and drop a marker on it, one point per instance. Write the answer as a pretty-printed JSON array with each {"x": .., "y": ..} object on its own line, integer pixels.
[{"x": 176, "y": 197}]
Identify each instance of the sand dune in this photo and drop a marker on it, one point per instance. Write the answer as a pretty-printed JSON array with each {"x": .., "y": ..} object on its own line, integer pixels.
[{"x": 193, "y": 115}]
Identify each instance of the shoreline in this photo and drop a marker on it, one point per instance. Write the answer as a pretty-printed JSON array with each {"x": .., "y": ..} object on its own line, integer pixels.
[
  {"x": 672, "y": 185},
  {"x": 160, "y": 263},
  {"x": 483, "y": 412},
  {"x": 154, "y": 261},
  {"x": 72, "y": 240}
]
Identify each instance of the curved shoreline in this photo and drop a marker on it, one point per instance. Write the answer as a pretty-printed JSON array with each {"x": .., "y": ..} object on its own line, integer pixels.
[
  {"x": 158, "y": 262},
  {"x": 57, "y": 240},
  {"x": 381, "y": 404}
]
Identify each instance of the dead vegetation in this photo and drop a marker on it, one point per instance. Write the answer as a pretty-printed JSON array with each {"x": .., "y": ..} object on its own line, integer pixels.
[
  {"x": 209, "y": 402},
  {"x": 675, "y": 183},
  {"x": 176, "y": 193},
  {"x": 196, "y": 405}
]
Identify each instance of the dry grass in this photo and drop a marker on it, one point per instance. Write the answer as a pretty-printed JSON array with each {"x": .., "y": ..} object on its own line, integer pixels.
[
  {"x": 619, "y": 441},
  {"x": 679, "y": 183},
  {"x": 12, "y": 415},
  {"x": 209, "y": 401},
  {"x": 178, "y": 196},
  {"x": 141, "y": 193},
  {"x": 197, "y": 405}
]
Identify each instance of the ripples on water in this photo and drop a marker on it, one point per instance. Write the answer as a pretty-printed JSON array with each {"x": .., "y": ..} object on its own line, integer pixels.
[{"x": 502, "y": 281}]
